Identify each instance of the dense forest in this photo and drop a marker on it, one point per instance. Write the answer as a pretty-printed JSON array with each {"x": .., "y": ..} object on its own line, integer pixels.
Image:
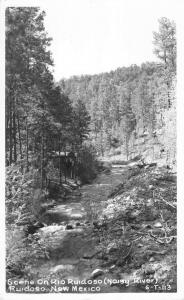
[
  {"x": 59, "y": 135},
  {"x": 131, "y": 107},
  {"x": 42, "y": 125}
]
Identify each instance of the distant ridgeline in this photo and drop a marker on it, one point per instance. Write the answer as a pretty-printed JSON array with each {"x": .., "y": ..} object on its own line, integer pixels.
[{"x": 132, "y": 109}]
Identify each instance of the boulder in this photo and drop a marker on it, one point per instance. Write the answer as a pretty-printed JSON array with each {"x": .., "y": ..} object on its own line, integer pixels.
[
  {"x": 78, "y": 224},
  {"x": 150, "y": 215},
  {"x": 149, "y": 270},
  {"x": 90, "y": 254},
  {"x": 32, "y": 228},
  {"x": 97, "y": 272},
  {"x": 111, "y": 248},
  {"x": 151, "y": 259},
  {"x": 68, "y": 226},
  {"x": 158, "y": 225},
  {"x": 112, "y": 267}
]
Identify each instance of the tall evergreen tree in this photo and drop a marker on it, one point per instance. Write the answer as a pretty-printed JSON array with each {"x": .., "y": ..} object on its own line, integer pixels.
[
  {"x": 165, "y": 49},
  {"x": 165, "y": 42},
  {"x": 81, "y": 122},
  {"x": 27, "y": 72}
]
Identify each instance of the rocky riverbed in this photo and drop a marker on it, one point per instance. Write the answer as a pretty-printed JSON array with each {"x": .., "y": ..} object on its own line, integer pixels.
[{"x": 117, "y": 234}]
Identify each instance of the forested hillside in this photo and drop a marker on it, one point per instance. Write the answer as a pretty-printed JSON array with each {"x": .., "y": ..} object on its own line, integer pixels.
[{"x": 132, "y": 109}]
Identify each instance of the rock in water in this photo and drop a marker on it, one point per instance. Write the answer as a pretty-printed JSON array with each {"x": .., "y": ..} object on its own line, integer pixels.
[
  {"x": 158, "y": 225},
  {"x": 96, "y": 273},
  {"x": 152, "y": 259},
  {"x": 61, "y": 268},
  {"x": 32, "y": 228},
  {"x": 68, "y": 226}
]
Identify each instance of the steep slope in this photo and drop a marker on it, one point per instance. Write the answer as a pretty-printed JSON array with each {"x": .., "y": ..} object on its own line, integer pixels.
[{"x": 133, "y": 111}]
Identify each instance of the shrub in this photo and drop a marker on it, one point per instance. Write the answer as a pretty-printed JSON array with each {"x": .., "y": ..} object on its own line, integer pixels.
[
  {"x": 19, "y": 194},
  {"x": 87, "y": 164},
  {"x": 23, "y": 206},
  {"x": 21, "y": 251}
]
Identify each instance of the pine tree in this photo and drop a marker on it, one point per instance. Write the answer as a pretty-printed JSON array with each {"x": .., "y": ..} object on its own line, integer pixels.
[
  {"x": 128, "y": 121},
  {"x": 165, "y": 42},
  {"x": 81, "y": 123},
  {"x": 165, "y": 49},
  {"x": 27, "y": 61}
]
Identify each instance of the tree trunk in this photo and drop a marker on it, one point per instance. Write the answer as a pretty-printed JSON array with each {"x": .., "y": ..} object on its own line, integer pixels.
[
  {"x": 27, "y": 145},
  {"x": 168, "y": 94},
  {"x": 10, "y": 133},
  {"x": 127, "y": 150},
  {"x": 14, "y": 132},
  {"x": 101, "y": 144},
  {"x": 65, "y": 165},
  {"x": 42, "y": 161},
  {"x": 45, "y": 157},
  {"x": 165, "y": 57},
  {"x": 7, "y": 134},
  {"x": 60, "y": 173},
  {"x": 20, "y": 142}
]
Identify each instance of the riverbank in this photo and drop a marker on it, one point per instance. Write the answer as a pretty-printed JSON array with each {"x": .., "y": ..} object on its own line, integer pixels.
[{"x": 119, "y": 231}]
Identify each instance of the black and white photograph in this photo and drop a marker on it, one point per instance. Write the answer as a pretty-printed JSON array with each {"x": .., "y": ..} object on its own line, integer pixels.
[{"x": 90, "y": 147}]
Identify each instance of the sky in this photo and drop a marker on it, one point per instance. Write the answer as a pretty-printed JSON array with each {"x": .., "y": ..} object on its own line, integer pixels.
[{"x": 94, "y": 36}]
